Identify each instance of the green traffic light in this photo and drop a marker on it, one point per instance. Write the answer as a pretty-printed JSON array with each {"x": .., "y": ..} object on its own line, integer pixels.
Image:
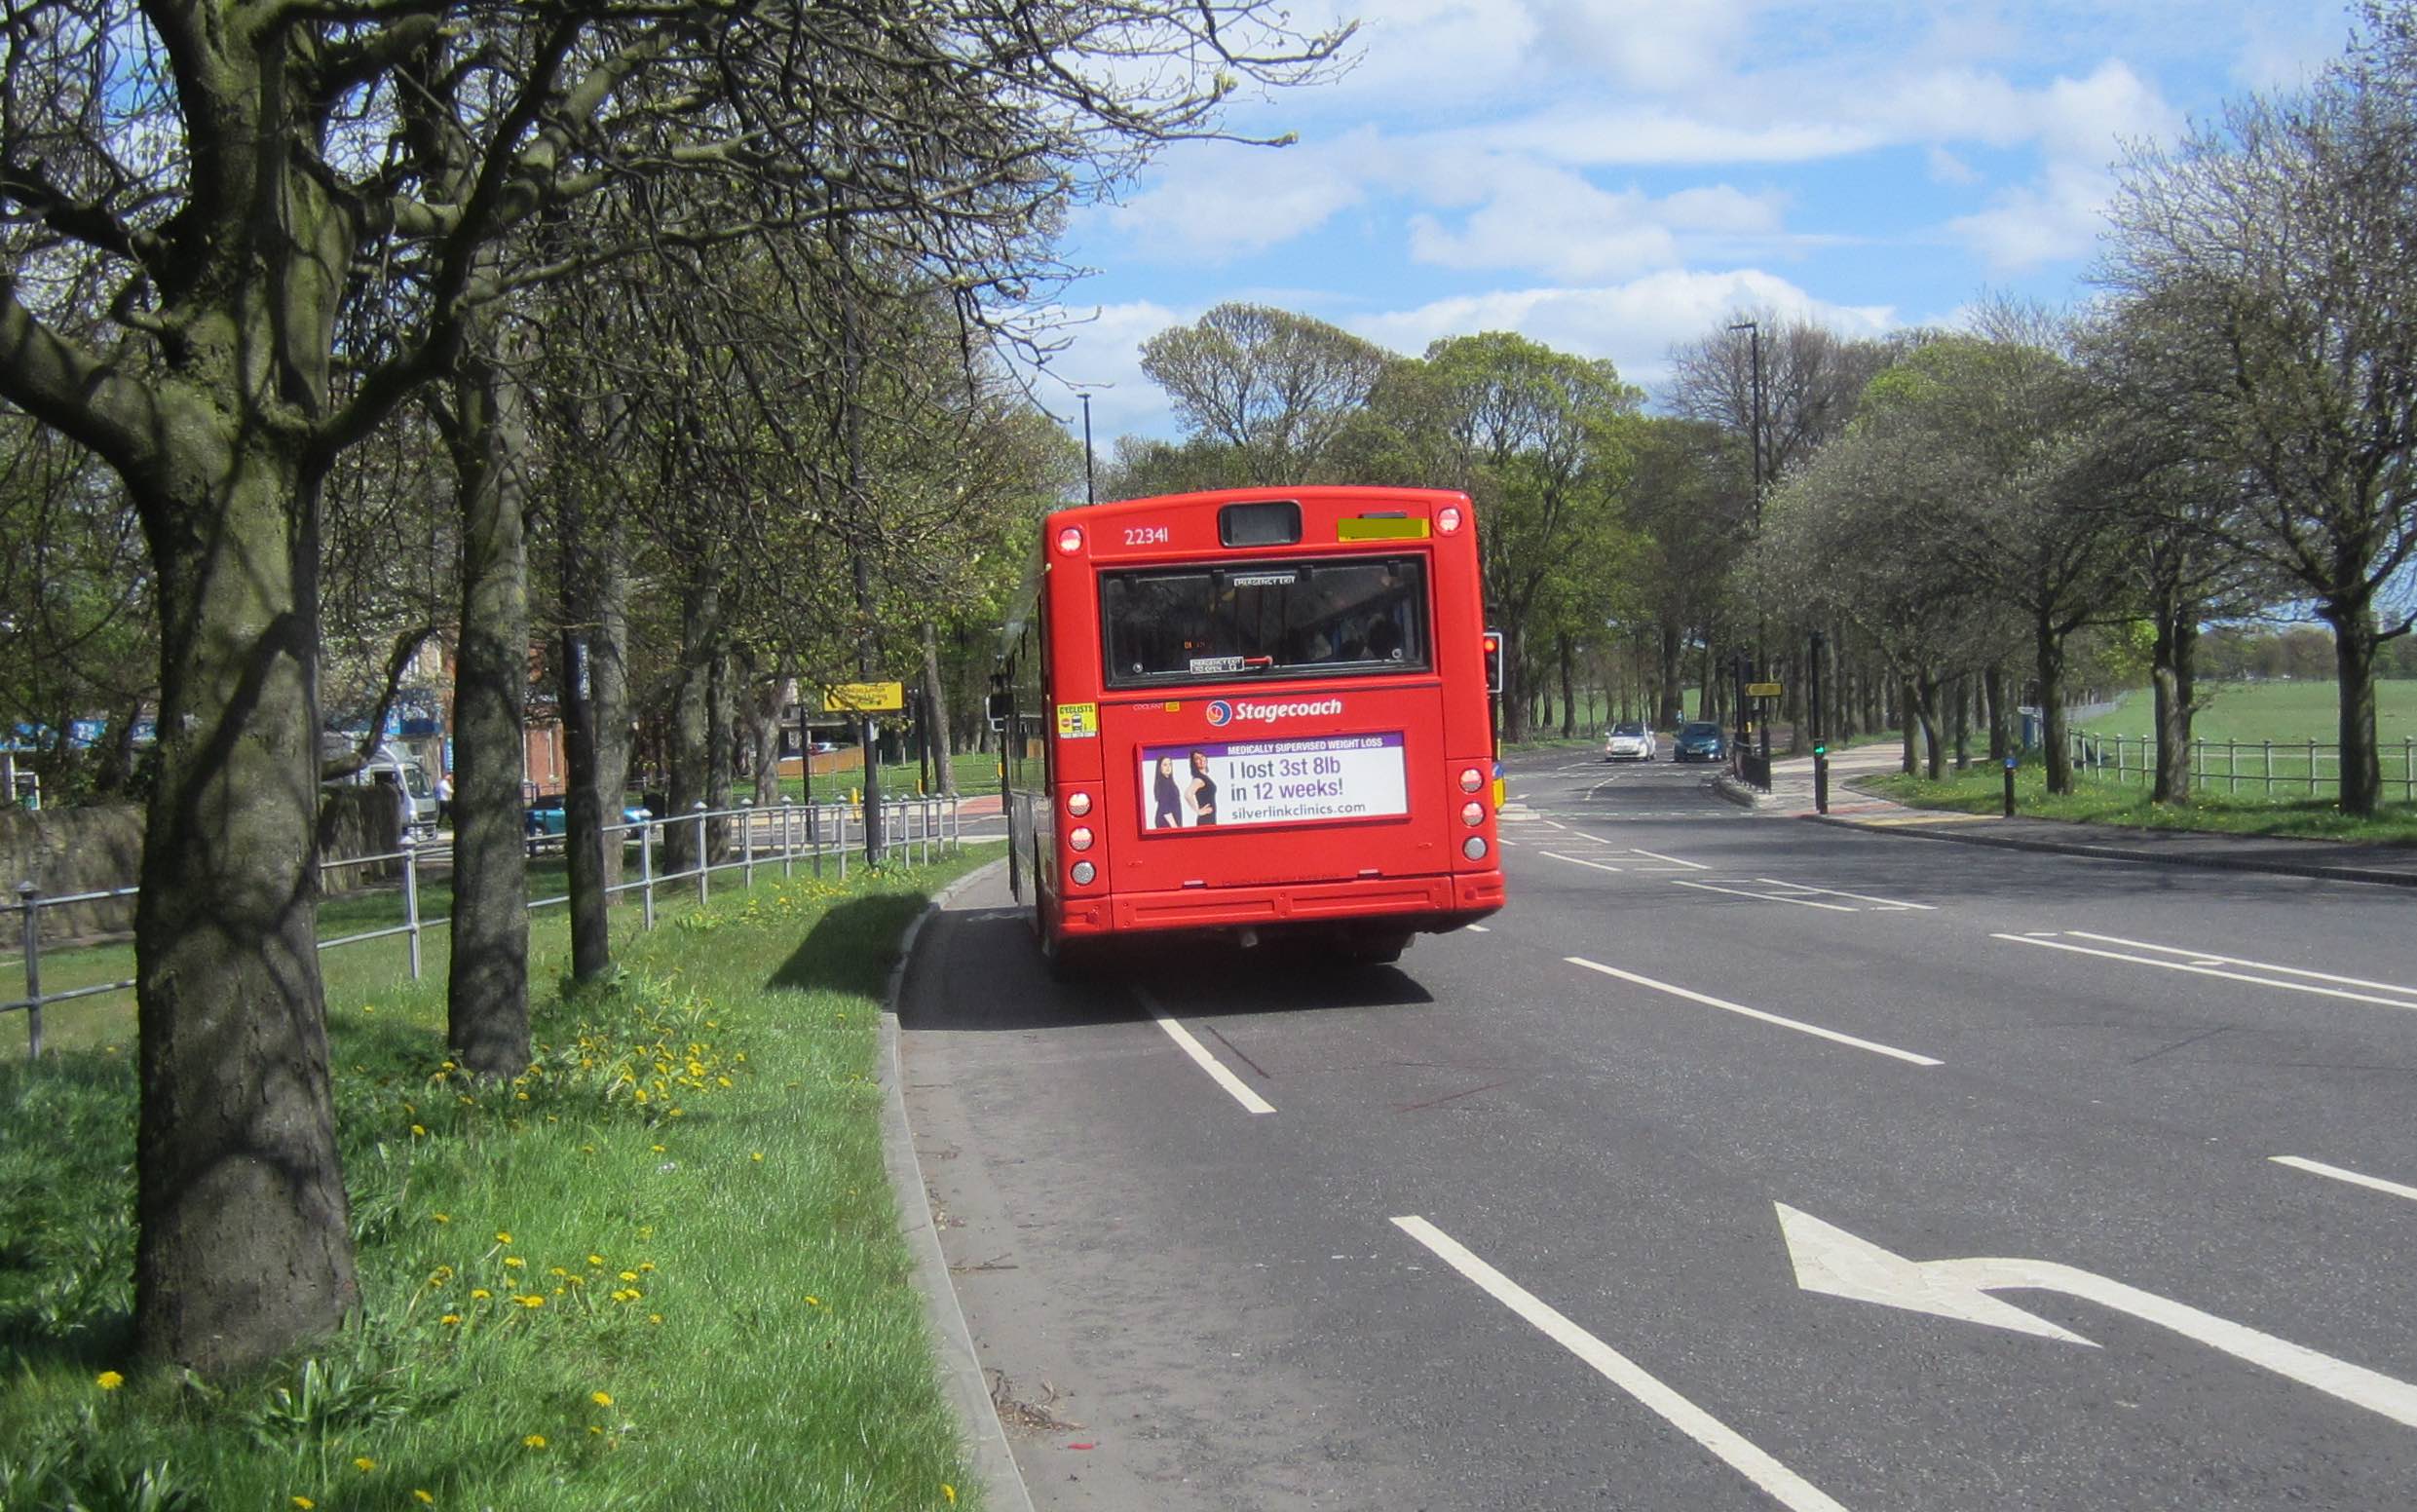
[{"x": 1821, "y": 750}]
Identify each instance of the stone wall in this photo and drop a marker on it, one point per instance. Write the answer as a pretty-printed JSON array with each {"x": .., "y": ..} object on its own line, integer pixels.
[{"x": 97, "y": 850}]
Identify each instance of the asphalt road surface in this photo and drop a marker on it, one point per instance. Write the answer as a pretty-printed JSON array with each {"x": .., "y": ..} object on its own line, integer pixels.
[{"x": 1740, "y": 1162}]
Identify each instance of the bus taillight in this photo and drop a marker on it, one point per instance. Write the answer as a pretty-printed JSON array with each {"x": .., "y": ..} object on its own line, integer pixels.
[
  {"x": 1084, "y": 872},
  {"x": 1079, "y": 804},
  {"x": 1080, "y": 838},
  {"x": 1471, "y": 780}
]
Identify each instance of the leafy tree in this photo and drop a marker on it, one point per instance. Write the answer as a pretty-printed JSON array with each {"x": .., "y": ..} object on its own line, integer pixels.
[
  {"x": 1277, "y": 386},
  {"x": 240, "y": 199},
  {"x": 2273, "y": 253}
]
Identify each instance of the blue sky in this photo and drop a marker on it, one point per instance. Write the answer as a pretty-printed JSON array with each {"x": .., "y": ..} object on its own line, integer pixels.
[{"x": 1614, "y": 176}]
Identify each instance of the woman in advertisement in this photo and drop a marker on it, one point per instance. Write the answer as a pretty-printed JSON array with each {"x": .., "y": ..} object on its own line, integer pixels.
[
  {"x": 1167, "y": 799},
  {"x": 1203, "y": 789}
]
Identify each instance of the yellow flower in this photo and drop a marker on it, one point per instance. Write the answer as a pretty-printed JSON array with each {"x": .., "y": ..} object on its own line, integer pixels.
[
  {"x": 364, "y": 1464},
  {"x": 601, "y": 1398},
  {"x": 758, "y": 1155},
  {"x": 482, "y": 1294},
  {"x": 557, "y": 1270},
  {"x": 628, "y": 1275},
  {"x": 647, "y": 1266},
  {"x": 654, "y": 1317},
  {"x": 595, "y": 1259},
  {"x": 422, "y": 1497},
  {"x": 304, "y": 1504},
  {"x": 659, "y": 1149},
  {"x": 533, "y": 1300},
  {"x": 814, "y": 1302},
  {"x": 950, "y": 1492},
  {"x": 442, "y": 1218},
  {"x": 535, "y": 1441},
  {"x": 504, "y": 1238},
  {"x": 451, "y": 1319},
  {"x": 416, "y": 1133},
  {"x": 513, "y": 1263},
  {"x": 108, "y": 1380}
]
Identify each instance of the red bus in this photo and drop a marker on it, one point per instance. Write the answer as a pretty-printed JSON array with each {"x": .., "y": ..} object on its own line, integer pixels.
[{"x": 1255, "y": 711}]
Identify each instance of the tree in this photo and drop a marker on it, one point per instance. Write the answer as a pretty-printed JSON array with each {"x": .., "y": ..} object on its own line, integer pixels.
[
  {"x": 1276, "y": 386},
  {"x": 219, "y": 181},
  {"x": 2276, "y": 251}
]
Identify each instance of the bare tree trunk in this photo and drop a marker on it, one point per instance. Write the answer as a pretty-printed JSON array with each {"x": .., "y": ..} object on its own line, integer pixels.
[
  {"x": 1926, "y": 712},
  {"x": 1962, "y": 721},
  {"x": 935, "y": 708},
  {"x": 1567, "y": 656},
  {"x": 1515, "y": 691},
  {"x": 243, "y": 1241},
  {"x": 2353, "y": 661},
  {"x": 1993, "y": 693},
  {"x": 2052, "y": 722},
  {"x": 487, "y": 982},
  {"x": 1913, "y": 754},
  {"x": 608, "y": 667},
  {"x": 764, "y": 732},
  {"x": 693, "y": 714},
  {"x": 2172, "y": 677},
  {"x": 1673, "y": 695}
]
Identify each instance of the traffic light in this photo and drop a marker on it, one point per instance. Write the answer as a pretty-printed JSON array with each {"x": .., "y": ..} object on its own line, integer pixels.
[{"x": 1493, "y": 661}]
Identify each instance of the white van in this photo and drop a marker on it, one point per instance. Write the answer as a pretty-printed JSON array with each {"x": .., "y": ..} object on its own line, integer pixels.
[{"x": 387, "y": 765}]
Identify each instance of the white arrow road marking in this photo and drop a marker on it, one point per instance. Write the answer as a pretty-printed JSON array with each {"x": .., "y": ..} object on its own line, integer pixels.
[
  {"x": 1798, "y": 1025},
  {"x": 1784, "y": 1485},
  {"x": 1831, "y": 1261},
  {"x": 2356, "y": 1179},
  {"x": 1234, "y": 1086},
  {"x": 2409, "y": 1001}
]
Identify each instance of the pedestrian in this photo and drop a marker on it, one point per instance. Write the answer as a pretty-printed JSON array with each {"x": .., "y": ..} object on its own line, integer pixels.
[{"x": 444, "y": 797}]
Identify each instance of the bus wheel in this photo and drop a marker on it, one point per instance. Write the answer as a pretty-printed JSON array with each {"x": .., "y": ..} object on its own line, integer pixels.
[
  {"x": 1066, "y": 960},
  {"x": 1374, "y": 948}
]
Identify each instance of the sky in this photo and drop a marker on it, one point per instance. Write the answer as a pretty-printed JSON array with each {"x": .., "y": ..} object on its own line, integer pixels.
[{"x": 1612, "y": 178}]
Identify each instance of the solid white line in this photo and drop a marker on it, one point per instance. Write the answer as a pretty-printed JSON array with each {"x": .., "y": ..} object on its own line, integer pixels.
[
  {"x": 1479, "y": 928},
  {"x": 1864, "y": 897},
  {"x": 1574, "y": 861},
  {"x": 1251, "y": 1101},
  {"x": 1798, "y": 1025},
  {"x": 2240, "y": 961},
  {"x": 1672, "y": 860},
  {"x": 1767, "y": 897},
  {"x": 2320, "y": 1169},
  {"x": 1732, "y": 1448},
  {"x": 2230, "y": 976}
]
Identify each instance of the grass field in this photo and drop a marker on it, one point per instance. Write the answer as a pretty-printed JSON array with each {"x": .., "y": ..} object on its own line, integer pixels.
[
  {"x": 2283, "y": 712},
  {"x": 661, "y": 1269}
]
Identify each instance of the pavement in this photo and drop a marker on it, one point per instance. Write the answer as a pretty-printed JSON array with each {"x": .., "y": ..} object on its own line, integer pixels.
[{"x": 1792, "y": 796}]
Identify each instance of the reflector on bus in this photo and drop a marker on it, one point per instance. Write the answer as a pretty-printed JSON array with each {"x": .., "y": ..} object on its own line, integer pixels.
[{"x": 1274, "y": 522}]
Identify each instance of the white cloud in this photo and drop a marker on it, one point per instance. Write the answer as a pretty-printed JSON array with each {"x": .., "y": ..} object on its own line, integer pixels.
[
  {"x": 1659, "y": 136},
  {"x": 2082, "y": 125},
  {"x": 1102, "y": 356},
  {"x": 1946, "y": 167},
  {"x": 1216, "y": 200},
  {"x": 1634, "y": 324},
  {"x": 1552, "y": 222}
]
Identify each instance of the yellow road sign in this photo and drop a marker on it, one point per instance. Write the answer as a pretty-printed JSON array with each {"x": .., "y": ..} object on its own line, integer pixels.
[
  {"x": 1763, "y": 689},
  {"x": 863, "y": 697}
]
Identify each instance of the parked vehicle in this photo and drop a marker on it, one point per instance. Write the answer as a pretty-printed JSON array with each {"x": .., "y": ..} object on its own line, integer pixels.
[
  {"x": 545, "y": 816},
  {"x": 1699, "y": 739},
  {"x": 415, "y": 796},
  {"x": 1629, "y": 741}
]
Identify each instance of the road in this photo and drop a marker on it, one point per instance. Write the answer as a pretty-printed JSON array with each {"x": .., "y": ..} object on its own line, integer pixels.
[{"x": 1742, "y": 1162}]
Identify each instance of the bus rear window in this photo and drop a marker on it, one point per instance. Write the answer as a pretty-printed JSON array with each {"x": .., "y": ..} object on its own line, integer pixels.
[{"x": 1181, "y": 624}]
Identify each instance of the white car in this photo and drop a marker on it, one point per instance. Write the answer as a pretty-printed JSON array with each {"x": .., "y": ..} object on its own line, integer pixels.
[{"x": 1628, "y": 742}]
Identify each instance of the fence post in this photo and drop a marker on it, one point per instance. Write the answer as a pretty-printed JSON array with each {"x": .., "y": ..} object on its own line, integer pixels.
[
  {"x": 2408, "y": 769},
  {"x": 26, "y": 894},
  {"x": 646, "y": 869},
  {"x": 814, "y": 837},
  {"x": 2270, "y": 770},
  {"x": 2232, "y": 768},
  {"x": 840, "y": 814},
  {"x": 2312, "y": 769},
  {"x": 746, "y": 840},
  {"x": 788, "y": 836},
  {"x": 411, "y": 898},
  {"x": 704, "y": 871},
  {"x": 2199, "y": 775}
]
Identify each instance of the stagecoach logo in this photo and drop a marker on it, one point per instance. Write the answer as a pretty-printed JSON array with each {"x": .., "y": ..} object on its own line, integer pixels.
[{"x": 1222, "y": 713}]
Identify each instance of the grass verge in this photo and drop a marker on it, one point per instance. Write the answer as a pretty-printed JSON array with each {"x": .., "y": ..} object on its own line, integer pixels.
[
  {"x": 662, "y": 1269},
  {"x": 1981, "y": 790}
]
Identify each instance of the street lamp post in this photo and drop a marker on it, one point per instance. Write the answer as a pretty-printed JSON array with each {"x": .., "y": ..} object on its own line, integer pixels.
[
  {"x": 1754, "y": 340},
  {"x": 1089, "y": 495}
]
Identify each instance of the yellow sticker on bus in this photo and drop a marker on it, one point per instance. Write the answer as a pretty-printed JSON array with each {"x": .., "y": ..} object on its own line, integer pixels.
[
  {"x": 1381, "y": 527},
  {"x": 1078, "y": 721}
]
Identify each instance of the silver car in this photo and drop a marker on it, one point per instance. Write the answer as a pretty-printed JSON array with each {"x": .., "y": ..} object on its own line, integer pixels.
[{"x": 1630, "y": 742}]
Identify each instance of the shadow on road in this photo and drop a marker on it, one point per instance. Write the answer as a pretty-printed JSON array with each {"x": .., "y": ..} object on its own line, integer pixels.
[{"x": 981, "y": 970}]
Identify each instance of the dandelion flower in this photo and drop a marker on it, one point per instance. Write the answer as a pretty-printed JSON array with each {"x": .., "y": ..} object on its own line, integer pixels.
[
  {"x": 420, "y": 1495},
  {"x": 535, "y": 1441},
  {"x": 108, "y": 1380},
  {"x": 601, "y": 1398},
  {"x": 364, "y": 1464},
  {"x": 812, "y": 1300},
  {"x": 417, "y": 1132},
  {"x": 441, "y": 1218},
  {"x": 532, "y": 1301},
  {"x": 304, "y": 1504},
  {"x": 950, "y": 1492},
  {"x": 504, "y": 1238},
  {"x": 450, "y": 1318},
  {"x": 654, "y": 1317},
  {"x": 647, "y": 1266},
  {"x": 659, "y": 1149},
  {"x": 482, "y": 1294},
  {"x": 758, "y": 1155},
  {"x": 595, "y": 1259},
  {"x": 513, "y": 1263}
]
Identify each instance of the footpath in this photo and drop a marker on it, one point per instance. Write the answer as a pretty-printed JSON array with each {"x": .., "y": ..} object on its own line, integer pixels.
[{"x": 1792, "y": 796}]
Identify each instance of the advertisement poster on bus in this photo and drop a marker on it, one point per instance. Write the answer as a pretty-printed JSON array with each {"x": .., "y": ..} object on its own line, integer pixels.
[{"x": 1242, "y": 782}]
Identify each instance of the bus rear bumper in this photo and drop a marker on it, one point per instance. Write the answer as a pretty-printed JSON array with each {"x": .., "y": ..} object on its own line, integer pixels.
[{"x": 1432, "y": 904}]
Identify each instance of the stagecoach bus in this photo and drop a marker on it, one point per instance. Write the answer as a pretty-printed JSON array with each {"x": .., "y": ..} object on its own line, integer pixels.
[{"x": 1252, "y": 712}]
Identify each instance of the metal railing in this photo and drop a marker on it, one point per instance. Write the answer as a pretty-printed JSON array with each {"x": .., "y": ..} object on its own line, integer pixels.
[
  {"x": 787, "y": 835},
  {"x": 2267, "y": 768}
]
